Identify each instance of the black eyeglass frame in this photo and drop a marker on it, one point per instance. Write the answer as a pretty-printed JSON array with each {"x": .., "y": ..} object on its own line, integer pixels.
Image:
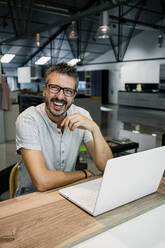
[{"x": 73, "y": 91}]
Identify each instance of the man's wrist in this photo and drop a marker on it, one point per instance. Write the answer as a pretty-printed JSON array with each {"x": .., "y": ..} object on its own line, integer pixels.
[
  {"x": 95, "y": 129},
  {"x": 85, "y": 173}
]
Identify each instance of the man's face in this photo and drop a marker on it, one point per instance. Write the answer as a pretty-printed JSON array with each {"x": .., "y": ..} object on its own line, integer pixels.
[{"x": 58, "y": 103}]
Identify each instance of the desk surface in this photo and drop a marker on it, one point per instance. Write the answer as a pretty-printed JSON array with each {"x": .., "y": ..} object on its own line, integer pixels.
[
  {"x": 118, "y": 147},
  {"x": 48, "y": 220},
  {"x": 145, "y": 230}
]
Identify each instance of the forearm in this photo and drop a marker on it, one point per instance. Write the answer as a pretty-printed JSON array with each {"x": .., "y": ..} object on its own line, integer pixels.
[
  {"x": 43, "y": 178},
  {"x": 98, "y": 148},
  {"x": 55, "y": 179},
  {"x": 101, "y": 150}
]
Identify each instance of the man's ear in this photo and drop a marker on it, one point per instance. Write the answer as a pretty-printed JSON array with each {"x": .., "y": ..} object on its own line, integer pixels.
[
  {"x": 74, "y": 97},
  {"x": 44, "y": 90}
]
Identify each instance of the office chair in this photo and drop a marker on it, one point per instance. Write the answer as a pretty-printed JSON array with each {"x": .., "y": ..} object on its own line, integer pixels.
[{"x": 13, "y": 180}]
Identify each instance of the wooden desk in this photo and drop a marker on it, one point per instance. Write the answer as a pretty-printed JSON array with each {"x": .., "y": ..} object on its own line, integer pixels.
[{"x": 48, "y": 220}]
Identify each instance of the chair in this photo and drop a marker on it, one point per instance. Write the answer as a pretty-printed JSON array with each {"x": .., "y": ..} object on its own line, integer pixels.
[{"x": 13, "y": 180}]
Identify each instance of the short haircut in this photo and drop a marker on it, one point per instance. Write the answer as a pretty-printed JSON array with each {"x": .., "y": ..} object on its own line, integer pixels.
[{"x": 63, "y": 68}]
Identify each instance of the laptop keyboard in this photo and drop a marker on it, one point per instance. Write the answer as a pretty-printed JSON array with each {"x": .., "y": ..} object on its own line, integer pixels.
[
  {"x": 84, "y": 194},
  {"x": 88, "y": 199}
]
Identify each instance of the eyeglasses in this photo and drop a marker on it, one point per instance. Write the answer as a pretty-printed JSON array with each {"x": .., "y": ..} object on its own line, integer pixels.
[{"x": 54, "y": 89}]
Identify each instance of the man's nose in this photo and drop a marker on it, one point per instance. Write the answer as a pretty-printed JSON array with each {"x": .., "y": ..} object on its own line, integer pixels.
[{"x": 60, "y": 94}]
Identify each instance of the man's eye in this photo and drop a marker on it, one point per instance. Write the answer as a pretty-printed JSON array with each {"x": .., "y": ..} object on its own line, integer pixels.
[
  {"x": 54, "y": 87},
  {"x": 68, "y": 91}
]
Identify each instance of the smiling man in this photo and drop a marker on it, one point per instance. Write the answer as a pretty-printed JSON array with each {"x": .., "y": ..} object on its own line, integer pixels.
[{"x": 48, "y": 137}]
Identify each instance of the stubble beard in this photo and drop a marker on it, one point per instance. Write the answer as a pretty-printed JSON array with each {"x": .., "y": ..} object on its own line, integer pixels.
[{"x": 47, "y": 103}]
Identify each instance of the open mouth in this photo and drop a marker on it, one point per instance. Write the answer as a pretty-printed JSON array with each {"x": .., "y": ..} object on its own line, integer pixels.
[{"x": 58, "y": 105}]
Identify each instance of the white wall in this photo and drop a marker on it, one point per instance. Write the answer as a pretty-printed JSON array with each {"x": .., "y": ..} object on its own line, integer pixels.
[
  {"x": 144, "y": 48},
  {"x": 2, "y": 134},
  {"x": 10, "y": 117},
  {"x": 115, "y": 83},
  {"x": 140, "y": 72}
]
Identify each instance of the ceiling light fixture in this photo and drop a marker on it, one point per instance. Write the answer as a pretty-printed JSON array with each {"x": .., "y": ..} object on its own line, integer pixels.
[
  {"x": 38, "y": 39},
  {"x": 73, "y": 62},
  {"x": 103, "y": 32},
  {"x": 73, "y": 34},
  {"x": 160, "y": 40},
  {"x": 43, "y": 60},
  {"x": 6, "y": 58}
]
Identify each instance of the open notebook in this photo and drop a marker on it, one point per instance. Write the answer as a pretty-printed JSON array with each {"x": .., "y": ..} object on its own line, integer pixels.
[{"x": 125, "y": 179}]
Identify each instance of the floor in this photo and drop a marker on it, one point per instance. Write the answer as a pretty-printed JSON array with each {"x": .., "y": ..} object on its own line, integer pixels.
[{"x": 144, "y": 126}]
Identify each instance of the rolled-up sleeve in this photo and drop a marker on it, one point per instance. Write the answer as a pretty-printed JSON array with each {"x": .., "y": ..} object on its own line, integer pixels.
[
  {"x": 27, "y": 133},
  {"x": 87, "y": 134}
]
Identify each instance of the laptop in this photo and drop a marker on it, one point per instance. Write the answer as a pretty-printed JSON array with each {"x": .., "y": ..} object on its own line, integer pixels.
[{"x": 125, "y": 179}]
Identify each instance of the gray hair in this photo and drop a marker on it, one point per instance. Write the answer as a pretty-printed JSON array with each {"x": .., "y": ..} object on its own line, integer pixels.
[{"x": 63, "y": 68}]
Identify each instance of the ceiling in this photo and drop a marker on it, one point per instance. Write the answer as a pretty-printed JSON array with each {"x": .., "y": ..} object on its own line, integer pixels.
[{"x": 21, "y": 20}]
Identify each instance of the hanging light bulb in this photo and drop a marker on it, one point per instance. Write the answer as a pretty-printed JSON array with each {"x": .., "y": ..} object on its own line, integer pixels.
[
  {"x": 73, "y": 35},
  {"x": 160, "y": 40},
  {"x": 103, "y": 31},
  {"x": 38, "y": 39}
]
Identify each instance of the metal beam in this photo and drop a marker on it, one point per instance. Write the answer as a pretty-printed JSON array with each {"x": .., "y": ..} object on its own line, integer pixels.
[
  {"x": 147, "y": 10},
  {"x": 137, "y": 16},
  {"x": 126, "y": 61},
  {"x": 59, "y": 47},
  {"x": 78, "y": 44},
  {"x": 18, "y": 18},
  {"x": 113, "y": 47},
  {"x": 56, "y": 4},
  {"x": 45, "y": 44},
  {"x": 85, "y": 13},
  {"x": 12, "y": 18},
  {"x": 70, "y": 45},
  {"x": 44, "y": 7},
  {"x": 131, "y": 8},
  {"x": 58, "y": 39},
  {"x": 86, "y": 42},
  {"x": 163, "y": 5},
  {"x": 53, "y": 49},
  {"x": 89, "y": 32},
  {"x": 145, "y": 24},
  {"x": 54, "y": 36},
  {"x": 51, "y": 52},
  {"x": 29, "y": 13},
  {"x": 23, "y": 17},
  {"x": 119, "y": 35}
]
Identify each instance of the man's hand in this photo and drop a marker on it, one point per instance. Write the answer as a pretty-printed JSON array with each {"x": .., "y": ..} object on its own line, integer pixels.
[
  {"x": 98, "y": 147},
  {"x": 78, "y": 121},
  {"x": 89, "y": 173}
]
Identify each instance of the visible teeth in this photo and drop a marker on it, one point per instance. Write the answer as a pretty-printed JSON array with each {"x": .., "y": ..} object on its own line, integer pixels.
[{"x": 59, "y": 104}]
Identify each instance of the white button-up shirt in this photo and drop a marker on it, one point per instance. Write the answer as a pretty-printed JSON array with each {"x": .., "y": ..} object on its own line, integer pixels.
[{"x": 35, "y": 131}]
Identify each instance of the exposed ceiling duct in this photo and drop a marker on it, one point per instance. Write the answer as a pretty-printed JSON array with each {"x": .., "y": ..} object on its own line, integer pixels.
[{"x": 126, "y": 19}]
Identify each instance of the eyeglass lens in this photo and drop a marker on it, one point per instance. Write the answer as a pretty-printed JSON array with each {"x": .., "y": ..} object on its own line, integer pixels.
[{"x": 56, "y": 89}]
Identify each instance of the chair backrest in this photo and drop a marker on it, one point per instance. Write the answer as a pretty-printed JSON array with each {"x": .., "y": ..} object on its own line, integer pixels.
[{"x": 13, "y": 180}]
